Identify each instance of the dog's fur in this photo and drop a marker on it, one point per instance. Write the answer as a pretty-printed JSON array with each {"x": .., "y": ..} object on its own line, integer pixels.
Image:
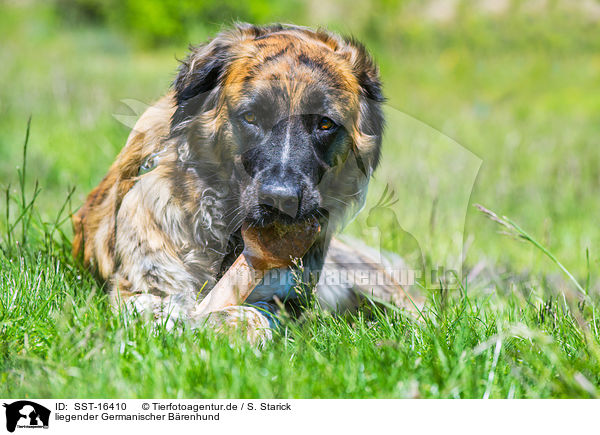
[{"x": 157, "y": 238}]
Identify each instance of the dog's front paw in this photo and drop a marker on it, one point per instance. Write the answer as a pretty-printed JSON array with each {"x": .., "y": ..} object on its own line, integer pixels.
[
  {"x": 248, "y": 321},
  {"x": 245, "y": 320}
]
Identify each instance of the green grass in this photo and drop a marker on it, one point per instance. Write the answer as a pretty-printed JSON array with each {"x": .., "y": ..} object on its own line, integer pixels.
[
  {"x": 459, "y": 96},
  {"x": 61, "y": 339}
]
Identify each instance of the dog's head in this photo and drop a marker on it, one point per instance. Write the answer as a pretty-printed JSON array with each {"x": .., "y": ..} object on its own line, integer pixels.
[{"x": 294, "y": 114}]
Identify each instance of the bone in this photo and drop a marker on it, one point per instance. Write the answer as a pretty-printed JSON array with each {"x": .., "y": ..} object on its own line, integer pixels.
[{"x": 266, "y": 248}]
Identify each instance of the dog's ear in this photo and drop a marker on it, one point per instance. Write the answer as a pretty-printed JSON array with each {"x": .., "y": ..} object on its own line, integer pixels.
[
  {"x": 367, "y": 73},
  {"x": 370, "y": 118},
  {"x": 199, "y": 75}
]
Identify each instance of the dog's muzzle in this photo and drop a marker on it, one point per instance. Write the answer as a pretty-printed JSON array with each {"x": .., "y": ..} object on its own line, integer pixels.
[{"x": 280, "y": 198}]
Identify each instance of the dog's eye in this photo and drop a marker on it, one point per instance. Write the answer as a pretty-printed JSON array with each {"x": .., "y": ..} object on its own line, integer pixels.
[
  {"x": 326, "y": 124},
  {"x": 250, "y": 117}
]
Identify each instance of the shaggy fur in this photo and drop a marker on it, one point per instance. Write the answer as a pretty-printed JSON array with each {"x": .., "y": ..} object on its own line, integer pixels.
[{"x": 164, "y": 222}]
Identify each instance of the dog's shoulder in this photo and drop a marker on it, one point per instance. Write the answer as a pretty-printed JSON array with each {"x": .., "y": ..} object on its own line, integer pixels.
[{"x": 94, "y": 222}]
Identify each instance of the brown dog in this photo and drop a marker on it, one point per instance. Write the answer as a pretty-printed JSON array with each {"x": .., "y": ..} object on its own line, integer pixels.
[{"x": 277, "y": 123}]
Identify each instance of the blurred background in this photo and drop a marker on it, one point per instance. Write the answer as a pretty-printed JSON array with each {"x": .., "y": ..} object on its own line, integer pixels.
[{"x": 491, "y": 102}]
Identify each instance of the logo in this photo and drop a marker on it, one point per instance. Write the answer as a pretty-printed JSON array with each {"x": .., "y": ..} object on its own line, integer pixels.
[{"x": 26, "y": 414}]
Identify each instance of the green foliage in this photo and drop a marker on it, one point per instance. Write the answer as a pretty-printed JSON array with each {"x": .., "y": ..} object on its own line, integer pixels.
[
  {"x": 402, "y": 24},
  {"x": 154, "y": 22},
  {"x": 394, "y": 23}
]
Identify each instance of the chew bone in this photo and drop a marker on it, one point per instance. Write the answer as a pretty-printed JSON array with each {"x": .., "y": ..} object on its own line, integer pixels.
[{"x": 266, "y": 248}]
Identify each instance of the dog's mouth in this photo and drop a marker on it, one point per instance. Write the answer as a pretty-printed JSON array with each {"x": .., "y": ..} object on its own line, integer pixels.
[
  {"x": 269, "y": 214},
  {"x": 263, "y": 215},
  {"x": 235, "y": 244}
]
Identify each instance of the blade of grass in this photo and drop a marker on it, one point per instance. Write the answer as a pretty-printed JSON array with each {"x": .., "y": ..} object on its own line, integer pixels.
[
  {"x": 22, "y": 174},
  {"x": 515, "y": 229}
]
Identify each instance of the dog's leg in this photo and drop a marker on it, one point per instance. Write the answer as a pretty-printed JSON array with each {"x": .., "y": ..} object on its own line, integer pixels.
[
  {"x": 162, "y": 310},
  {"x": 151, "y": 275},
  {"x": 353, "y": 271},
  {"x": 255, "y": 323}
]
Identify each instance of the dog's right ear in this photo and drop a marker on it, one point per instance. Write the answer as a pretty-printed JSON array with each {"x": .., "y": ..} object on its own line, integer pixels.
[{"x": 199, "y": 75}]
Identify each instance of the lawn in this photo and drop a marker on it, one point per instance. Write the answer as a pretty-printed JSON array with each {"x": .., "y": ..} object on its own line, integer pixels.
[{"x": 497, "y": 111}]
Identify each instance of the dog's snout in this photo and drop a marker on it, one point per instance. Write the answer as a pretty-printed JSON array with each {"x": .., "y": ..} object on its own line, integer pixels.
[{"x": 282, "y": 198}]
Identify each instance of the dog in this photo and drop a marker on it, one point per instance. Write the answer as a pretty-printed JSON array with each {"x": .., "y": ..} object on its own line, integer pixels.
[{"x": 262, "y": 124}]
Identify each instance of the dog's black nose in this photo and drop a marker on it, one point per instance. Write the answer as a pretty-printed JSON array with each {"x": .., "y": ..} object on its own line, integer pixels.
[{"x": 282, "y": 198}]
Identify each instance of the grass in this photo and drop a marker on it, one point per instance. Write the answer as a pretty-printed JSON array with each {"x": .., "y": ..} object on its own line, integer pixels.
[
  {"x": 516, "y": 129},
  {"x": 61, "y": 339}
]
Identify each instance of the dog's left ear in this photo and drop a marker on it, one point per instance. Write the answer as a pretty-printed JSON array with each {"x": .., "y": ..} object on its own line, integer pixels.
[
  {"x": 198, "y": 76},
  {"x": 370, "y": 117},
  {"x": 368, "y": 78}
]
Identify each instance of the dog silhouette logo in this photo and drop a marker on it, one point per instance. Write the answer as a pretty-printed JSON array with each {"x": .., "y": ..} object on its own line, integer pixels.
[{"x": 26, "y": 414}]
